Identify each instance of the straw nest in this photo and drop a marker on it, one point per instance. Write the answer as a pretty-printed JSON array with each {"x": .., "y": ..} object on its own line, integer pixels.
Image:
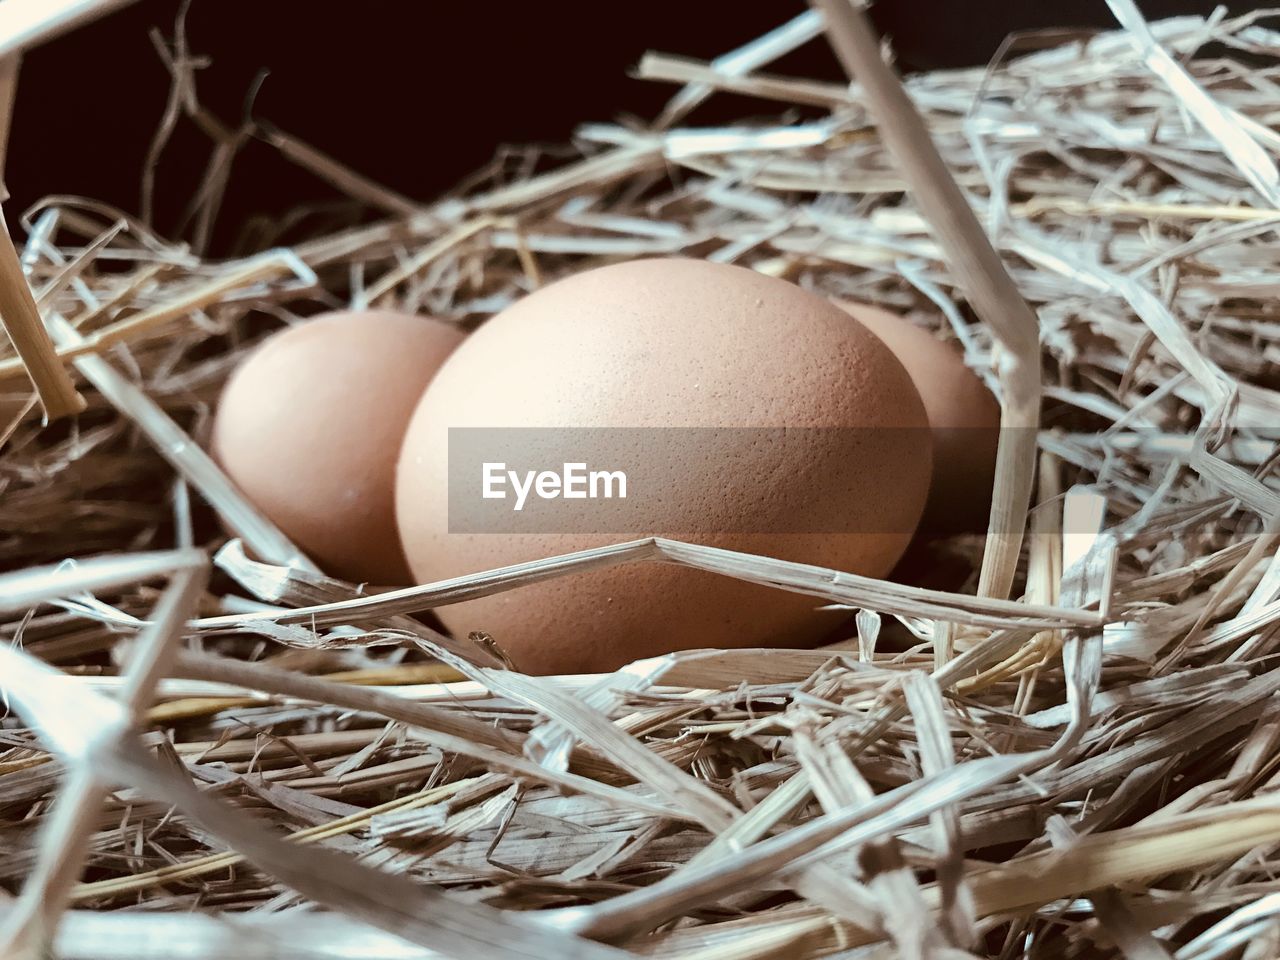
[{"x": 1077, "y": 759}]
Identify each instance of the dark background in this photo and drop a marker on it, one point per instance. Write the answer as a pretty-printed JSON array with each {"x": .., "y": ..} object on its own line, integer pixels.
[{"x": 417, "y": 95}]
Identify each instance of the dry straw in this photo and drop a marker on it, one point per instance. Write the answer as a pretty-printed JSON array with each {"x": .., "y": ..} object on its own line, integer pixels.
[{"x": 1070, "y": 750}]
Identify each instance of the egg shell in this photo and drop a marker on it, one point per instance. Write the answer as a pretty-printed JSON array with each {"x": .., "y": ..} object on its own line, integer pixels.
[
  {"x": 670, "y": 343},
  {"x": 963, "y": 415},
  {"x": 309, "y": 426}
]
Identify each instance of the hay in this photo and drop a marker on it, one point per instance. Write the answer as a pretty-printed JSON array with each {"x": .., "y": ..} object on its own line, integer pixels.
[{"x": 1086, "y": 769}]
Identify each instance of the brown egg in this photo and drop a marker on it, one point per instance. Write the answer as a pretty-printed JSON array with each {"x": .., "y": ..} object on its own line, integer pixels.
[
  {"x": 672, "y": 344},
  {"x": 310, "y": 426},
  {"x": 964, "y": 417}
]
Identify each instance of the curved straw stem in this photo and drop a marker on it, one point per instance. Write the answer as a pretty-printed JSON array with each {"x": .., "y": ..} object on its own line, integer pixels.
[
  {"x": 978, "y": 271},
  {"x": 24, "y": 24}
]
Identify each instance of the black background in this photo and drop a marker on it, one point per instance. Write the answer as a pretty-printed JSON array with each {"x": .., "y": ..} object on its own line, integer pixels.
[{"x": 416, "y": 95}]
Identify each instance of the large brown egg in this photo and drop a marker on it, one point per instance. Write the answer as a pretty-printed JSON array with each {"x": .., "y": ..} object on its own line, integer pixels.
[
  {"x": 669, "y": 346},
  {"x": 963, "y": 415},
  {"x": 310, "y": 425}
]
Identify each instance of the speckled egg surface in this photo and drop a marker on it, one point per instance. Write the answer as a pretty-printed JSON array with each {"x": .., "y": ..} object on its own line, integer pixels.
[
  {"x": 963, "y": 415},
  {"x": 310, "y": 425},
  {"x": 675, "y": 343}
]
